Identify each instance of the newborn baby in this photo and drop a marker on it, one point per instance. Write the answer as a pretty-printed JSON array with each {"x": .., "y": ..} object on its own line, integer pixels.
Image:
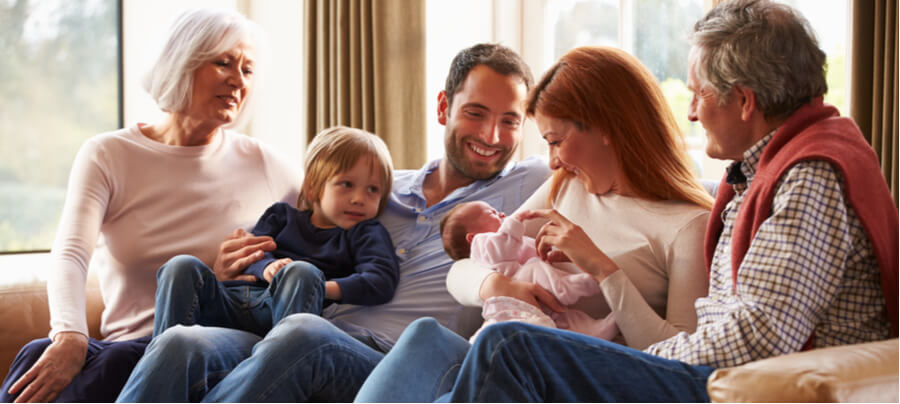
[{"x": 476, "y": 230}]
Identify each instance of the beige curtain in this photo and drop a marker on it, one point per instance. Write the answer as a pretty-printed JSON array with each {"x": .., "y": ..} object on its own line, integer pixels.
[
  {"x": 366, "y": 69},
  {"x": 873, "y": 86}
]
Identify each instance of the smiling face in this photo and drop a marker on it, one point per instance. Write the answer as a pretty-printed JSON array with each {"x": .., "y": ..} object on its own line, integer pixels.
[
  {"x": 586, "y": 154},
  {"x": 484, "y": 124},
  {"x": 221, "y": 86},
  {"x": 723, "y": 125},
  {"x": 349, "y": 197}
]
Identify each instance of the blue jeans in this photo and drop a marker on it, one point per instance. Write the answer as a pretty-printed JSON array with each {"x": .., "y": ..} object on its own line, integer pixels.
[
  {"x": 303, "y": 358},
  {"x": 188, "y": 293},
  {"x": 517, "y": 362},
  {"x": 106, "y": 368},
  {"x": 421, "y": 366}
]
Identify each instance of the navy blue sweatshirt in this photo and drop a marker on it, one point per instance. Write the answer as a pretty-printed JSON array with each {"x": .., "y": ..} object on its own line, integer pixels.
[{"x": 361, "y": 259}]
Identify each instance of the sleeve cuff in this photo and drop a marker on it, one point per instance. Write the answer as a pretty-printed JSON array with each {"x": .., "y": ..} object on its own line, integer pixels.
[
  {"x": 464, "y": 282},
  {"x": 257, "y": 268},
  {"x": 513, "y": 227}
]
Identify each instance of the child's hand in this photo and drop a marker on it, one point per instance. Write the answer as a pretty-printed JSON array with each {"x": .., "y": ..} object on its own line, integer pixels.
[
  {"x": 333, "y": 291},
  {"x": 273, "y": 268}
]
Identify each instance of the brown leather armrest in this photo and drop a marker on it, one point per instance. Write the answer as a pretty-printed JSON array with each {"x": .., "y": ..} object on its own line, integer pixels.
[{"x": 850, "y": 373}]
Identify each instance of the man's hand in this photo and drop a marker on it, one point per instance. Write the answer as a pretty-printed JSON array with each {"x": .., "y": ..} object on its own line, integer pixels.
[
  {"x": 498, "y": 285},
  {"x": 237, "y": 252},
  {"x": 54, "y": 370}
]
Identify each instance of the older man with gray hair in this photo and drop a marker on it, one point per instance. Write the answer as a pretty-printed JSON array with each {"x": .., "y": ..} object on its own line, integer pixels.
[{"x": 801, "y": 244}]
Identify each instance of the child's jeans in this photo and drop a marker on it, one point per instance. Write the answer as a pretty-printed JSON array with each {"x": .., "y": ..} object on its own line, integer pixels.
[{"x": 188, "y": 293}]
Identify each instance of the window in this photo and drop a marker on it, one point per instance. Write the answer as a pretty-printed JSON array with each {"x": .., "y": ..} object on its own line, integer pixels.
[
  {"x": 832, "y": 26},
  {"x": 655, "y": 31},
  {"x": 279, "y": 113},
  {"x": 60, "y": 85},
  {"x": 451, "y": 26}
]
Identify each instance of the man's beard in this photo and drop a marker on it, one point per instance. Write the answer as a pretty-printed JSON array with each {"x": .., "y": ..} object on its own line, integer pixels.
[{"x": 456, "y": 156}]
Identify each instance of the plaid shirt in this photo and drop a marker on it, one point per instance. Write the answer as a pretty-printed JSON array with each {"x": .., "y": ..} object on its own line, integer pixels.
[{"x": 810, "y": 267}]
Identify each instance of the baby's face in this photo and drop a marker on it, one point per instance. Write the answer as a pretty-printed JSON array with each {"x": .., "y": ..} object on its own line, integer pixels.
[{"x": 481, "y": 217}]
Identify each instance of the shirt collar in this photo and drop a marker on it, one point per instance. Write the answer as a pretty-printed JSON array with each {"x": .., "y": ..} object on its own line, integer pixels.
[
  {"x": 749, "y": 164},
  {"x": 415, "y": 185}
]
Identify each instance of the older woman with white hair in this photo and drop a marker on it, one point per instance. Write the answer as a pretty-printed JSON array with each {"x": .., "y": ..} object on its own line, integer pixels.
[{"x": 150, "y": 192}]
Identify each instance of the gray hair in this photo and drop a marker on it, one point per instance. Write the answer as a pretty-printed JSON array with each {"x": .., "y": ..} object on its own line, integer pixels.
[
  {"x": 196, "y": 37},
  {"x": 767, "y": 47}
]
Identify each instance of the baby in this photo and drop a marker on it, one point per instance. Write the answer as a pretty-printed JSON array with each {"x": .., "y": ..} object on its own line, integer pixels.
[{"x": 476, "y": 229}]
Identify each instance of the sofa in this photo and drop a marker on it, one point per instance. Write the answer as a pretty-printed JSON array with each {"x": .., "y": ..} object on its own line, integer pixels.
[{"x": 857, "y": 373}]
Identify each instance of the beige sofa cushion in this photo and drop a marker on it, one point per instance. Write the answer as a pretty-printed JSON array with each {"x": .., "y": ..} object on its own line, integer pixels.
[{"x": 851, "y": 373}]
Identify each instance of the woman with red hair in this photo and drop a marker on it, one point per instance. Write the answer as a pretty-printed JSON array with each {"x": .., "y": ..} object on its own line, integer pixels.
[{"x": 623, "y": 206}]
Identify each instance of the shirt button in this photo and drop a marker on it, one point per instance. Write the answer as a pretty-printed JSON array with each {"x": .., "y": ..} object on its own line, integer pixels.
[{"x": 401, "y": 251}]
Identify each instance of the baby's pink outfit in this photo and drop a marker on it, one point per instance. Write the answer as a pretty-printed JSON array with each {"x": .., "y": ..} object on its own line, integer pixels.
[{"x": 513, "y": 254}]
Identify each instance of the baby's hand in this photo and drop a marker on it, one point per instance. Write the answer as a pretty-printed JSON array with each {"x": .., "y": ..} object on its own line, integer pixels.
[
  {"x": 273, "y": 268},
  {"x": 520, "y": 215}
]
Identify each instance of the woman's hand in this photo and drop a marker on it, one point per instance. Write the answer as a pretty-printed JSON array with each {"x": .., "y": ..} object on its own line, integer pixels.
[
  {"x": 54, "y": 370},
  {"x": 498, "y": 285},
  {"x": 237, "y": 252},
  {"x": 561, "y": 240}
]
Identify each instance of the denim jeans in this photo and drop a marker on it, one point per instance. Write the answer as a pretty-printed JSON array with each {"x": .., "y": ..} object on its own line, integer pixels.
[
  {"x": 516, "y": 362},
  {"x": 303, "y": 358},
  {"x": 421, "y": 366},
  {"x": 188, "y": 293}
]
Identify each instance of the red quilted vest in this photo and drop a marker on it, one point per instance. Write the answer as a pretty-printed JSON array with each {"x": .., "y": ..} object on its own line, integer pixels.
[{"x": 817, "y": 132}]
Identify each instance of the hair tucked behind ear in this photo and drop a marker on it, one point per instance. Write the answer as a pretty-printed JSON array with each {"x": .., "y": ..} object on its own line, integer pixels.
[
  {"x": 196, "y": 37},
  {"x": 607, "y": 89}
]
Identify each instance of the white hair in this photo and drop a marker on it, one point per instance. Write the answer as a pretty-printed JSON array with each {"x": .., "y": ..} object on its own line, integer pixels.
[{"x": 196, "y": 37}]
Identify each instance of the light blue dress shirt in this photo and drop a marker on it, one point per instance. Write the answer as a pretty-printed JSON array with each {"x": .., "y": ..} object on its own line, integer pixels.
[{"x": 415, "y": 231}]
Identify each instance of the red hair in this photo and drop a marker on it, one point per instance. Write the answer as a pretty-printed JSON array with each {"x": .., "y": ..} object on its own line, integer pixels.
[{"x": 607, "y": 89}]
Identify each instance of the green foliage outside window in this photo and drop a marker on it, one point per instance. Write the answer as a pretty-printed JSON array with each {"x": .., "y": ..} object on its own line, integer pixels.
[
  {"x": 657, "y": 31},
  {"x": 59, "y": 86}
]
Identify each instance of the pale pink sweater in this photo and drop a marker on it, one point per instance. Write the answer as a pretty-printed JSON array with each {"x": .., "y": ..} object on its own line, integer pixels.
[
  {"x": 513, "y": 254},
  {"x": 139, "y": 202}
]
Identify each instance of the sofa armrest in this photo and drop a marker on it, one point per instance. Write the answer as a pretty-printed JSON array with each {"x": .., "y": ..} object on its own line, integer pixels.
[
  {"x": 25, "y": 315},
  {"x": 851, "y": 373}
]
